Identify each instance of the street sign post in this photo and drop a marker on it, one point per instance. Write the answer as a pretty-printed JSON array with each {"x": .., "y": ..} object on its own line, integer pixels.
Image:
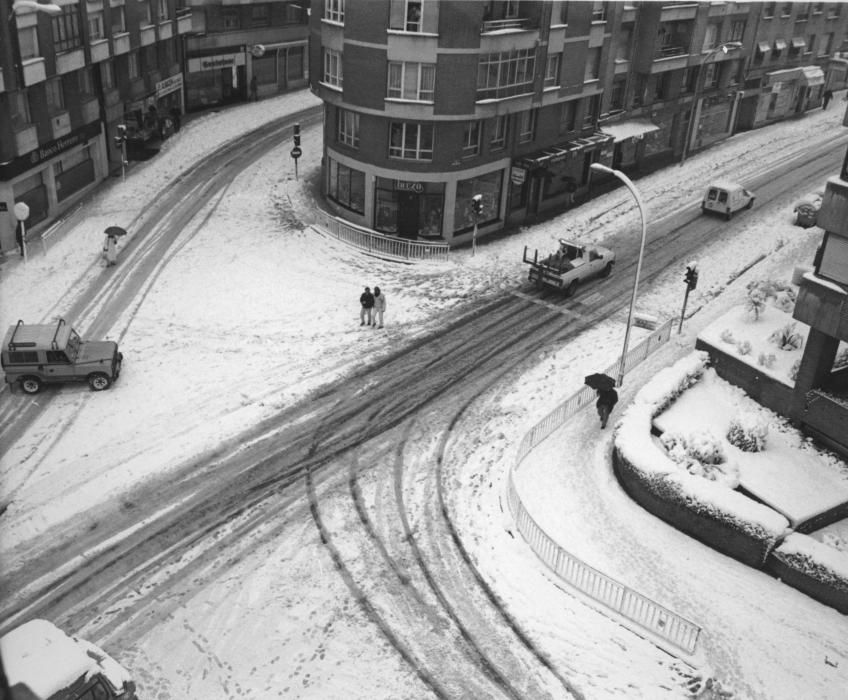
[{"x": 296, "y": 152}]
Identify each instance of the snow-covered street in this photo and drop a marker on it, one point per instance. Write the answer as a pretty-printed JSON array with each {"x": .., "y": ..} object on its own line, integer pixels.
[{"x": 245, "y": 321}]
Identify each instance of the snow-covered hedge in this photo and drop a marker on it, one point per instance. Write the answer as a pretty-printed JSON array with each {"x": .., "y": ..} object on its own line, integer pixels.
[
  {"x": 725, "y": 519},
  {"x": 817, "y": 569}
]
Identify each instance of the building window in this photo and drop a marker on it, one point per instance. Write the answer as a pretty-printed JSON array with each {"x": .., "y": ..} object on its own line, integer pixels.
[
  {"x": 527, "y": 125},
  {"x": 828, "y": 42},
  {"x": 505, "y": 74},
  {"x": 19, "y": 105},
  {"x": 471, "y": 139},
  {"x": 835, "y": 11},
  {"x": 86, "y": 83},
  {"x": 811, "y": 43},
  {"x": 348, "y": 127},
  {"x": 28, "y": 42},
  {"x": 411, "y": 141},
  {"x": 55, "y": 95},
  {"x": 346, "y": 186},
  {"x": 260, "y": 15},
  {"x": 710, "y": 37},
  {"x": 818, "y": 8},
  {"x": 568, "y": 116},
  {"x": 499, "y": 130},
  {"x": 599, "y": 12},
  {"x": 334, "y": 10},
  {"x": 803, "y": 13},
  {"x": 95, "y": 25},
  {"x": 412, "y": 81},
  {"x": 66, "y": 30},
  {"x": 118, "y": 19},
  {"x": 623, "y": 48},
  {"x": 661, "y": 83},
  {"x": 163, "y": 12},
  {"x": 406, "y": 15},
  {"x": 619, "y": 91},
  {"x": 591, "y": 113},
  {"x": 563, "y": 12},
  {"x": 332, "y": 67},
  {"x": 132, "y": 65},
  {"x": 149, "y": 12},
  {"x": 107, "y": 76},
  {"x": 786, "y": 9},
  {"x": 769, "y": 9},
  {"x": 552, "y": 70},
  {"x": 231, "y": 19},
  {"x": 777, "y": 48},
  {"x": 593, "y": 64},
  {"x": 511, "y": 11},
  {"x": 737, "y": 30},
  {"x": 710, "y": 76}
]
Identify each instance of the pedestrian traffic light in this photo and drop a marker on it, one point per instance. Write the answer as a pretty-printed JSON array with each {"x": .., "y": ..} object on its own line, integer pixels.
[
  {"x": 297, "y": 134},
  {"x": 477, "y": 204},
  {"x": 121, "y": 137},
  {"x": 691, "y": 276}
]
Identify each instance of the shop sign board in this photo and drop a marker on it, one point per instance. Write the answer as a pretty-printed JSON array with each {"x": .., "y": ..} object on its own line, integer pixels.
[
  {"x": 169, "y": 85},
  {"x": 407, "y": 186},
  {"x": 517, "y": 175},
  {"x": 221, "y": 61}
]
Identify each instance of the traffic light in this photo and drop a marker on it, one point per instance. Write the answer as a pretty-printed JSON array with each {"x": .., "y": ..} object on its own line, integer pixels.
[
  {"x": 121, "y": 137},
  {"x": 297, "y": 134},
  {"x": 477, "y": 204},
  {"x": 691, "y": 276}
]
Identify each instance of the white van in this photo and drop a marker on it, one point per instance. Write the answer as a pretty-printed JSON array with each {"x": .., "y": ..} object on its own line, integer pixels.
[
  {"x": 726, "y": 198},
  {"x": 41, "y": 661}
]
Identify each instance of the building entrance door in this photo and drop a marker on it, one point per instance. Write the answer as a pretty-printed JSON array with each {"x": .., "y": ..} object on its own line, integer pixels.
[{"x": 408, "y": 211}]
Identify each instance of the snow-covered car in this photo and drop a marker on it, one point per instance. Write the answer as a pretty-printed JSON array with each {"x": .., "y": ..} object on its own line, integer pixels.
[
  {"x": 806, "y": 209},
  {"x": 41, "y": 661},
  {"x": 571, "y": 264}
]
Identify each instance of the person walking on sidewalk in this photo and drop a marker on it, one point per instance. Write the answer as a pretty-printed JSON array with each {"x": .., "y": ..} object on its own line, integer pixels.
[
  {"x": 379, "y": 307},
  {"x": 110, "y": 250},
  {"x": 607, "y": 399},
  {"x": 366, "y": 303}
]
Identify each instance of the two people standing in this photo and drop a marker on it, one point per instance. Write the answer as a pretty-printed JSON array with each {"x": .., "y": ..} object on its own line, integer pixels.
[{"x": 372, "y": 307}]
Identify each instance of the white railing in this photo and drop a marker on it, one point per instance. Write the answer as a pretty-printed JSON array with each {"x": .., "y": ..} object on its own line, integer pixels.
[
  {"x": 381, "y": 244},
  {"x": 634, "y": 606}
]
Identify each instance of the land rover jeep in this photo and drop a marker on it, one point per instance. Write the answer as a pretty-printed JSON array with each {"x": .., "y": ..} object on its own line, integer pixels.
[{"x": 38, "y": 354}]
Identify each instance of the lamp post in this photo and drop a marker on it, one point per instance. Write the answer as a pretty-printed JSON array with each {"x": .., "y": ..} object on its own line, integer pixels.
[
  {"x": 597, "y": 167},
  {"x": 725, "y": 48}
]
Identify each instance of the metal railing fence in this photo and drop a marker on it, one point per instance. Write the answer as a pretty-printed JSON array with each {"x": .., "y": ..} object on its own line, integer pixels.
[
  {"x": 634, "y": 606},
  {"x": 381, "y": 244}
]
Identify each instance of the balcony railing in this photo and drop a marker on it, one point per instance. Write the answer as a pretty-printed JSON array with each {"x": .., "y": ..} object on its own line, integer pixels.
[
  {"x": 496, "y": 25},
  {"x": 669, "y": 51}
]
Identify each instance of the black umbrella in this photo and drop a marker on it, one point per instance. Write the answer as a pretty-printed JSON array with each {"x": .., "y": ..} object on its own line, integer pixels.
[
  {"x": 599, "y": 381},
  {"x": 116, "y": 231}
]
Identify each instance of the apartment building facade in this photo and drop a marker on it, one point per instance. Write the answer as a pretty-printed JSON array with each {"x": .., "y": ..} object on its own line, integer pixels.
[
  {"x": 232, "y": 42},
  {"x": 429, "y": 103},
  {"x": 72, "y": 72}
]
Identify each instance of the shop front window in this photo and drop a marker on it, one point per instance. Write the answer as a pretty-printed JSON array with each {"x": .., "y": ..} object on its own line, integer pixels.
[
  {"x": 489, "y": 186},
  {"x": 346, "y": 186},
  {"x": 409, "y": 209}
]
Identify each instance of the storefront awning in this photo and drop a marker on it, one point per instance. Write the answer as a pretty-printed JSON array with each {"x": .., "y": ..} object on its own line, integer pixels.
[
  {"x": 554, "y": 154},
  {"x": 812, "y": 75},
  {"x": 626, "y": 130},
  {"x": 764, "y": 47},
  {"x": 779, "y": 44},
  {"x": 798, "y": 42}
]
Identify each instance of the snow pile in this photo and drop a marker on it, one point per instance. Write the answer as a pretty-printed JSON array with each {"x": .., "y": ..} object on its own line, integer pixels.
[{"x": 643, "y": 457}]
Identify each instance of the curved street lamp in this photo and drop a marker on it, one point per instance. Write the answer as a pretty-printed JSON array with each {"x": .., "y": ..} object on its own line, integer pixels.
[
  {"x": 597, "y": 167},
  {"x": 725, "y": 48}
]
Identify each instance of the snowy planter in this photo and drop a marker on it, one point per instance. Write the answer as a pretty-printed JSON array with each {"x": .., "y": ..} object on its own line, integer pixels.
[
  {"x": 816, "y": 569},
  {"x": 709, "y": 511}
]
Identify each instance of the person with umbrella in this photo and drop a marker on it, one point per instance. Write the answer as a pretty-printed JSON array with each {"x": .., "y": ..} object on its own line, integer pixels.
[
  {"x": 110, "y": 245},
  {"x": 607, "y": 395}
]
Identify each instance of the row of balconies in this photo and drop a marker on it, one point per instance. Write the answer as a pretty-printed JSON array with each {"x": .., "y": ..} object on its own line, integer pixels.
[{"x": 34, "y": 70}]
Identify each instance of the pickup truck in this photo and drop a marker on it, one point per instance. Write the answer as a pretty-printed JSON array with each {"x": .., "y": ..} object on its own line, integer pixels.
[
  {"x": 571, "y": 264},
  {"x": 49, "y": 353}
]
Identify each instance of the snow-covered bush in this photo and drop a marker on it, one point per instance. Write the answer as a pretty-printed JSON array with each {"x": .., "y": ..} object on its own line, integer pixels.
[
  {"x": 756, "y": 303},
  {"x": 727, "y": 337},
  {"x": 787, "y": 338},
  {"x": 701, "y": 454},
  {"x": 793, "y": 370},
  {"x": 743, "y": 347},
  {"x": 748, "y": 432},
  {"x": 766, "y": 361},
  {"x": 771, "y": 289},
  {"x": 785, "y": 301}
]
